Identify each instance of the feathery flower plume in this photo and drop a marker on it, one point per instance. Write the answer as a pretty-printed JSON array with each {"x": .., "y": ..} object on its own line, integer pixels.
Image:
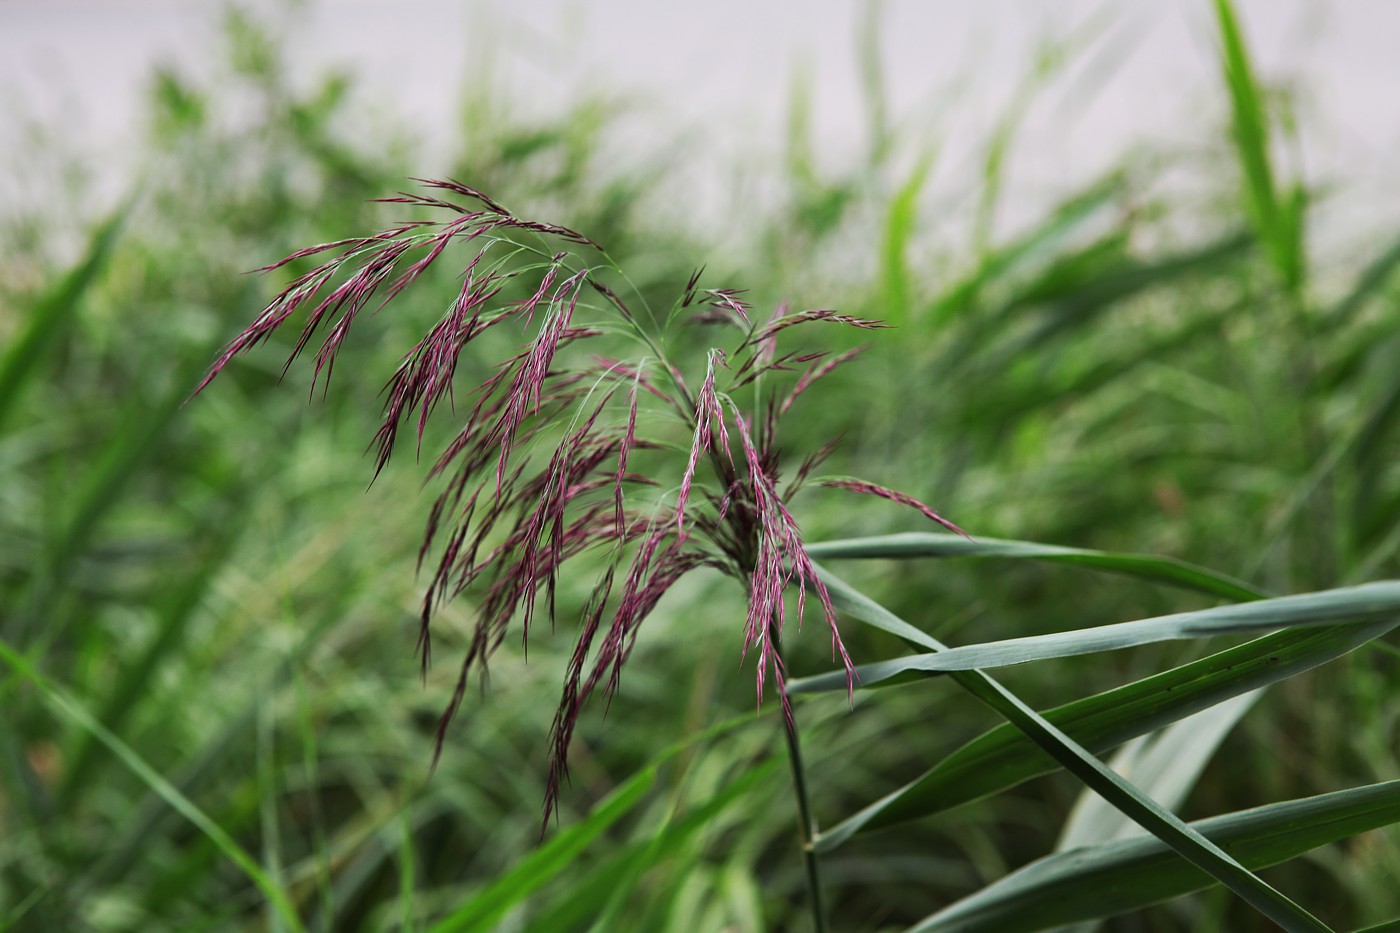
[{"x": 541, "y": 469}]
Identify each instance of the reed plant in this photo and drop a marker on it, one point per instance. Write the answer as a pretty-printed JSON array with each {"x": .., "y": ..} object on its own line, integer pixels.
[{"x": 213, "y": 712}]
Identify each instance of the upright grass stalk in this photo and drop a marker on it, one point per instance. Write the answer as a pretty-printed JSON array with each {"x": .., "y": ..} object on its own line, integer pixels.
[{"x": 806, "y": 820}]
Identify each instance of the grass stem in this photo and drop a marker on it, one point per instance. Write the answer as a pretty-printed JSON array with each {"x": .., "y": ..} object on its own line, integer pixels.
[{"x": 806, "y": 824}]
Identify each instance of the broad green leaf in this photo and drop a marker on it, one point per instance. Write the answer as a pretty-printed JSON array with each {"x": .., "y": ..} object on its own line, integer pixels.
[
  {"x": 1003, "y": 757},
  {"x": 1327, "y": 607},
  {"x": 1149, "y": 567},
  {"x": 1096, "y": 882},
  {"x": 1165, "y": 765},
  {"x": 1094, "y": 773}
]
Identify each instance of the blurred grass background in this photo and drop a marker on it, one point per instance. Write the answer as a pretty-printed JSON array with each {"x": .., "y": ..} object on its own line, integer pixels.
[{"x": 212, "y": 716}]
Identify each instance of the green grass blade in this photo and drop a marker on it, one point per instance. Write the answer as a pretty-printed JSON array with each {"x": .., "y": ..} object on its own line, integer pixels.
[
  {"x": 408, "y": 881},
  {"x": 55, "y": 311},
  {"x": 873, "y": 86},
  {"x": 1144, "y": 811},
  {"x": 149, "y": 819},
  {"x": 1250, "y": 125},
  {"x": 1166, "y": 765},
  {"x": 1064, "y": 220},
  {"x": 488, "y": 906},
  {"x": 1088, "y": 883},
  {"x": 141, "y": 426},
  {"x": 1367, "y": 284},
  {"x": 1389, "y": 926},
  {"x": 135, "y": 440},
  {"x": 1004, "y": 757},
  {"x": 1160, "y": 569},
  {"x": 1085, "y": 285},
  {"x": 616, "y": 878},
  {"x": 1327, "y": 607},
  {"x": 484, "y": 910},
  {"x": 1277, "y": 223},
  {"x": 900, "y": 223},
  {"x": 133, "y": 681},
  {"x": 71, "y": 710}
]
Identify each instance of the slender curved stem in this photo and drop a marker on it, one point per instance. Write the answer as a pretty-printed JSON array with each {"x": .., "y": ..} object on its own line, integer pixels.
[{"x": 806, "y": 824}]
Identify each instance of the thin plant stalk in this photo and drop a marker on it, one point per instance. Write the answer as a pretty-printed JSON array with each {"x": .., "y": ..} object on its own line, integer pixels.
[{"x": 806, "y": 823}]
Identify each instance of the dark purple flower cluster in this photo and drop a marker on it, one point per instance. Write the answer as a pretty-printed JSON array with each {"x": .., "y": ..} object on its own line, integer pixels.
[{"x": 538, "y": 471}]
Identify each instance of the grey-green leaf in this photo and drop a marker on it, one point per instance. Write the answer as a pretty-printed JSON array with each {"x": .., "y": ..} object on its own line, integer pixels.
[
  {"x": 1328, "y": 607},
  {"x": 1003, "y": 757},
  {"x": 1083, "y": 884},
  {"x": 1139, "y": 807},
  {"x": 1150, "y": 567}
]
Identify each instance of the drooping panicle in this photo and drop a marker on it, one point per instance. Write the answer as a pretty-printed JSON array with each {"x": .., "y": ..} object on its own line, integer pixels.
[
  {"x": 551, "y": 446},
  {"x": 781, "y": 561}
]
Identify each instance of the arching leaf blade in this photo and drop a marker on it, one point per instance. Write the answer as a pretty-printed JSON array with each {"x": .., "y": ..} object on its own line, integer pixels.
[
  {"x": 1341, "y": 606},
  {"x": 1003, "y": 757},
  {"x": 1075, "y": 758},
  {"x": 1145, "y": 566},
  {"x": 1084, "y": 884}
]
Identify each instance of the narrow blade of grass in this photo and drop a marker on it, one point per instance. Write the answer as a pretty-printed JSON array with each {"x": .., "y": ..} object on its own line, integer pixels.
[
  {"x": 487, "y": 907},
  {"x": 1064, "y": 220},
  {"x": 1166, "y": 765},
  {"x": 484, "y": 910},
  {"x": 1084, "y": 286},
  {"x": 134, "y": 680},
  {"x": 895, "y": 288},
  {"x": 74, "y": 712},
  {"x": 1139, "y": 807},
  {"x": 1103, "y": 880},
  {"x": 1367, "y": 284},
  {"x": 1277, "y": 222},
  {"x": 55, "y": 311},
  {"x": 1146, "y": 566},
  {"x": 603, "y": 898},
  {"x": 1325, "y": 608},
  {"x": 134, "y": 441},
  {"x": 1004, "y": 757},
  {"x": 149, "y": 819}
]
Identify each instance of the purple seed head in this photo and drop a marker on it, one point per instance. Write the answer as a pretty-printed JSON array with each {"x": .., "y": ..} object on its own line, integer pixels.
[{"x": 543, "y": 465}]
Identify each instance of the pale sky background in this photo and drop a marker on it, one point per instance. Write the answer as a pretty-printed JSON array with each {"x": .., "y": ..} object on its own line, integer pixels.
[{"x": 723, "y": 70}]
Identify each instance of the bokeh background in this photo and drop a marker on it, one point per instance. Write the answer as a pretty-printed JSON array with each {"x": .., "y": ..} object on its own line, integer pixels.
[{"x": 208, "y": 621}]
